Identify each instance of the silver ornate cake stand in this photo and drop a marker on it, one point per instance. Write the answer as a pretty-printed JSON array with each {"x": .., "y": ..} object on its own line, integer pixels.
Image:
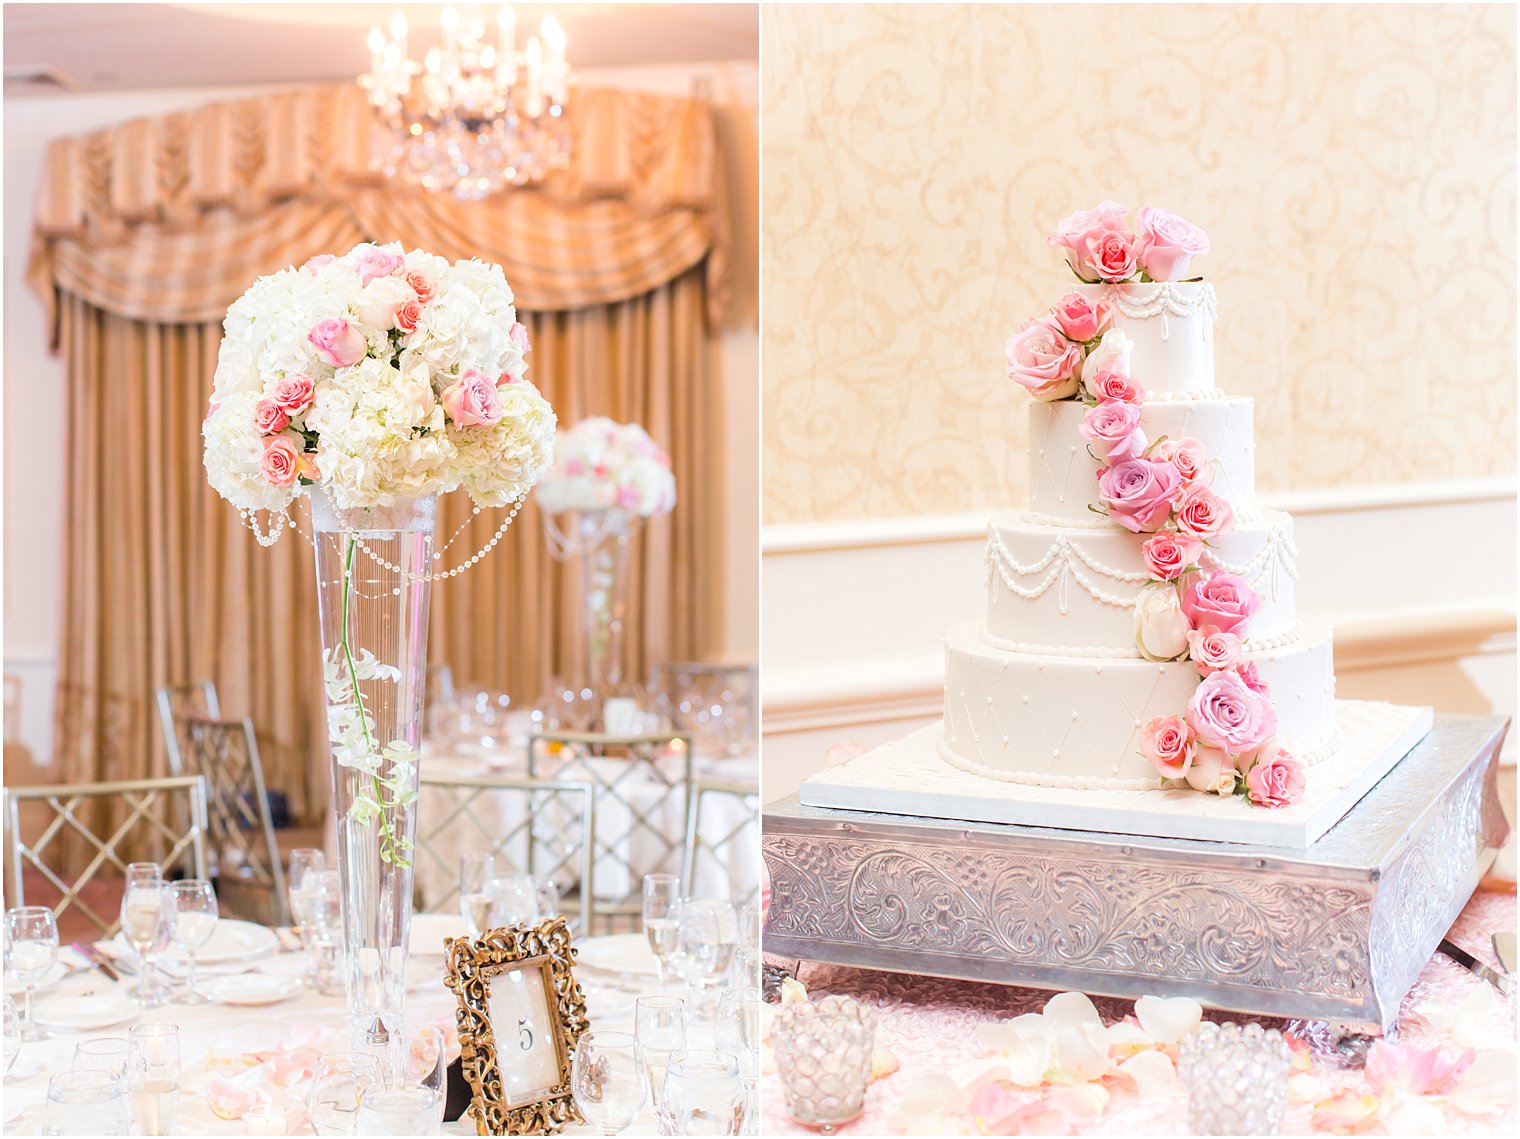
[{"x": 1337, "y": 932}]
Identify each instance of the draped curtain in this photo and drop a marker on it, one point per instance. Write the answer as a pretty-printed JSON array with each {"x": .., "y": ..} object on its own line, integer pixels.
[{"x": 146, "y": 232}]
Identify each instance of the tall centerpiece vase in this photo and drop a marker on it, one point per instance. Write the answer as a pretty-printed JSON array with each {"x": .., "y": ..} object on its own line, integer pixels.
[
  {"x": 373, "y": 588},
  {"x": 600, "y": 540}
]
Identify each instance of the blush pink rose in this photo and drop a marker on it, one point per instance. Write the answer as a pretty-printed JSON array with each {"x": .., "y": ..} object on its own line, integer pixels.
[
  {"x": 1190, "y": 459},
  {"x": 422, "y": 284},
  {"x": 1113, "y": 431},
  {"x": 1213, "y": 650},
  {"x": 1072, "y": 231},
  {"x": 315, "y": 263},
  {"x": 294, "y": 393},
  {"x": 472, "y": 401},
  {"x": 269, "y": 417},
  {"x": 1276, "y": 778},
  {"x": 1228, "y": 714},
  {"x": 1252, "y": 678},
  {"x": 1204, "y": 514},
  {"x": 1043, "y": 360},
  {"x": 1139, "y": 493},
  {"x": 1108, "y": 385},
  {"x": 1223, "y": 600},
  {"x": 375, "y": 262},
  {"x": 1169, "y": 554},
  {"x": 519, "y": 337},
  {"x": 1167, "y": 244},
  {"x": 408, "y": 314},
  {"x": 281, "y": 462},
  {"x": 1081, "y": 317},
  {"x": 1110, "y": 253},
  {"x": 1168, "y": 744},
  {"x": 338, "y": 342}
]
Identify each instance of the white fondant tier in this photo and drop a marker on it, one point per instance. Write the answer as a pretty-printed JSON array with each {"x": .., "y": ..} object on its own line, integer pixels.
[
  {"x": 1172, "y": 327},
  {"x": 1075, "y": 722},
  {"x": 1071, "y": 592},
  {"x": 1063, "y": 475}
]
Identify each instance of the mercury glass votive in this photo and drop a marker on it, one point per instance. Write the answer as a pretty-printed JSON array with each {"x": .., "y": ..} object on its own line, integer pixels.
[
  {"x": 823, "y": 1055},
  {"x": 1236, "y": 1078}
]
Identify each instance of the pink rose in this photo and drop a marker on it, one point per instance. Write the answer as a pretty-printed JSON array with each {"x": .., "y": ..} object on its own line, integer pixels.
[
  {"x": 1043, "y": 360},
  {"x": 1072, "y": 231},
  {"x": 1168, "y": 244},
  {"x": 408, "y": 314},
  {"x": 627, "y": 497},
  {"x": 1108, "y": 385},
  {"x": 1213, "y": 650},
  {"x": 1139, "y": 493},
  {"x": 1189, "y": 457},
  {"x": 269, "y": 418},
  {"x": 1169, "y": 554},
  {"x": 282, "y": 460},
  {"x": 1220, "y": 599},
  {"x": 375, "y": 262},
  {"x": 315, "y": 263},
  {"x": 1212, "y": 772},
  {"x": 519, "y": 337},
  {"x": 1275, "y": 779},
  {"x": 1168, "y": 744},
  {"x": 1228, "y": 714},
  {"x": 1113, "y": 430},
  {"x": 1081, "y": 317},
  {"x": 1110, "y": 253},
  {"x": 422, "y": 284},
  {"x": 338, "y": 342},
  {"x": 471, "y": 401},
  {"x": 1204, "y": 513},
  {"x": 294, "y": 394},
  {"x": 1253, "y": 679}
]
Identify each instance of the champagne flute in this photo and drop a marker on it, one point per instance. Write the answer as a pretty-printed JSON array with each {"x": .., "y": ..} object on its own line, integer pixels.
[
  {"x": 153, "y": 1076},
  {"x": 12, "y": 1034},
  {"x": 607, "y": 1081},
  {"x": 748, "y": 955},
  {"x": 339, "y": 1084},
  {"x": 661, "y": 891},
  {"x": 195, "y": 914},
  {"x": 739, "y": 1035},
  {"x": 147, "y": 922},
  {"x": 703, "y": 1095},
  {"x": 326, "y": 929},
  {"x": 476, "y": 873},
  {"x": 304, "y": 891},
  {"x": 659, "y": 1026},
  {"x": 31, "y": 947}
]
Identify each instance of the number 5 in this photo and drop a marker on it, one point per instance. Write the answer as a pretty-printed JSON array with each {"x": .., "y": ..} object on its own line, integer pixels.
[{"x": 524, "y": 1034}]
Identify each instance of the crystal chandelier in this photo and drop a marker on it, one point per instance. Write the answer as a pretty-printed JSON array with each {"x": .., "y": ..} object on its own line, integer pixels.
[{"x": 474, "y": 116}]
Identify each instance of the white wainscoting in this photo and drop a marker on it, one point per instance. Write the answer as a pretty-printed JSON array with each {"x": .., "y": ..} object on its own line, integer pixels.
[{"x": 1418, "y": 581}]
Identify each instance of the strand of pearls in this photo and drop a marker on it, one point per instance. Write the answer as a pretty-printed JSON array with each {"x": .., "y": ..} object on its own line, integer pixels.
[
  {"x": 442, "y": 575},
  {"x": 278, "y": 523}
]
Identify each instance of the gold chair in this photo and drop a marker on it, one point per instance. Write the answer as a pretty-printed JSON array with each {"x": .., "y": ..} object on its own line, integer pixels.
[{"x": 703, "y": 849}]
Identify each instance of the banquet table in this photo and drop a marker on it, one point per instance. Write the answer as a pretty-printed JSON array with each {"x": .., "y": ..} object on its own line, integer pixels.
[
  {"x": 929, "y": 1025},
  {"x": 228, "y": 1050}
]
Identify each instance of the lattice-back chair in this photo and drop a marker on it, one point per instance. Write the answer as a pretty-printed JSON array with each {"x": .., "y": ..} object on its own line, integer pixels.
[
  {"x": 250, "y": 881},
  {"x": 723, "y": 839},
  {"x": 152, "y": 808},
  {"x": 716, "y": 704},
  {"x": 542, "y": 826},
  {"x": 176, "y": 705},
  {"x": 641, "y": 790}
]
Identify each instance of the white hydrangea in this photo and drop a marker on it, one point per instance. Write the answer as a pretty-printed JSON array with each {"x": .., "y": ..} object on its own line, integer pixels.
[
  {"x": 495, "y": 462},
  {"x": 233, "y": 454},
  {"x": 600, "y": 464}
]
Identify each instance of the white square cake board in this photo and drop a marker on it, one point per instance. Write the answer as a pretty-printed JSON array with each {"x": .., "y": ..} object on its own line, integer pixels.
[{"x": 908, "y": 777}]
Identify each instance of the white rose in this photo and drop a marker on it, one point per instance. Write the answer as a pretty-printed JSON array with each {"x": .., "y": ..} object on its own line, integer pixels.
[
  {"x": 1161, "y": 627},
  {"x": 1111, "y": 354},
  {"x": 1211, "y": 771},
  {"x": 379, "y": 300}
]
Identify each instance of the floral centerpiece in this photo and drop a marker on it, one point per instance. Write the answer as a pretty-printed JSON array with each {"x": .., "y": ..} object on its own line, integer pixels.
[
  {"x": 371, "y": 383},
  {"x": 603, "y": 465}
]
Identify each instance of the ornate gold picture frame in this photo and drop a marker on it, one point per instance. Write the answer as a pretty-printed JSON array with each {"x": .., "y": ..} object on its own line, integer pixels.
[{"x": 521, "y": 1012}]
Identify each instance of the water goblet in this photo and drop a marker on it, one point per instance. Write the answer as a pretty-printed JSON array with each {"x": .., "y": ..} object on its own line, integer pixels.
[
  {"x": 147, "y": 922},
  {"x": 659, "y": 1026},
  {"x": 326, "y": 930},
  {"x": 85, "y": 1102},
  {"x": 399, "y": 1109},
  {"x": 476, "y": 873},
  {"x": 514, "y": 900},
  {"x": 704, "y": 1095},
  {"x": 153, "y": 1076},
  {"x": 195, "y": 915},
  {"x": 341, "y": 1081},
  {"x": 738, "y": 1034},
  {"x": 607, "y": 1081},
  {"x": 12, "y": 1034},
  {"x": 706, "y": 934},
  {"x": 661, "y": 892},
  {"x": 107, "y": 1053},
  {"x": 31, "y": 947}
]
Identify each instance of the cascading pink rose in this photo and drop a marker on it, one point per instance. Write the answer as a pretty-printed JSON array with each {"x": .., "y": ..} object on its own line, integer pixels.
[
  {"x": 281, "y": 462},
  {"x": 1139, "y": 493},
  {"x": 314, "y": 263},
  {"x": 294, "y": 393},
  {"x": 1275, "y": 778},
  {"x": 422, "y": 284},
  {"x": 1167, "y": 244},
  {"x": 408, "y": 314},
  {"x": 1073, "y": 230},
  {"x": 1211, "y": 772},
  {"x": 1253, "y": 679},
  {"x": 1043, "y": 360},
  {"x": 269, "y": 417},
  {"x": 375, "y": 263},
  {"x": 1190, "y": 459},
  {"x": 1169, "y": 554},
  {"x": 472, "y": 401},
  {"x": 1213, "y": 650},
  {"x": 1081, "y": 317},
  {"x": 1111, "y": 386},
  {"x": 1168, "y": 743},
  {"x": 1113, "y": 430},
  {"x": 1204, "y": 514},
  {"x": 1110, "y": 254},
  {"x": 1223, "y": 600},
  {"x": 338, "y": 342},
  {"x": 1228, "y": 714}
]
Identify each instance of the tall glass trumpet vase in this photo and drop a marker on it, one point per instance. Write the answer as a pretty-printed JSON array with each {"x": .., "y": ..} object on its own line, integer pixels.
[
  {"x": 600, "y": 538},
  {"x": 373, "y": 587}
]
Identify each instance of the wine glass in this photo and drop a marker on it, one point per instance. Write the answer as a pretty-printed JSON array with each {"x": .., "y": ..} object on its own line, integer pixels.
[
  {"x": 425, "y": 1062},
  {"x": 87, "y": 1101},
  {"x": 704, "y": 1095},
  {"x": 739, "y": 1035},
  {"x": 31, "y": 947},
  {"x": 153, "y": 1076},
  {"x": 514, "y": 900},
  {"x": 303, "y": 891},
  {"x": 12, "y": 1034},
  {"x": 476, "y": 873},
  {"x": 108, "y": 1053},
  {"x": 147, "y": 922},
  {"x": 326, "y": 929},
  {"x": 144, "y": 872},
  {"x": 706, "y": 933},
  {"x": 195, "y": 914},
  {"x": 607, "y": 1081},
  {"x": 339, "y": 1084},
  {"x": 661, "y": 892},
  {"x": 659, "y": 1026}
]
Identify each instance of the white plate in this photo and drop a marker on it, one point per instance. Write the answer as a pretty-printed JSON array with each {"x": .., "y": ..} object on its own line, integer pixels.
[
  {"x": 86, "y": 1014},
  {"x": 625, "y": 953},
  {"x": 429, "y": 930},
  {"x": 233, "y": 940},
  {"x": 57, "y": 973},
  {"x": 250, "y": 989}
]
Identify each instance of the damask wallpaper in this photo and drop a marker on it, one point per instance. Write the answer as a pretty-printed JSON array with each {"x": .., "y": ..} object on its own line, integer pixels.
[{"x": 1353, "y": 165}]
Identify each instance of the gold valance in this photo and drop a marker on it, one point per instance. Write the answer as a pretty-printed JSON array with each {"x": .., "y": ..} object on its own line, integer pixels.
[{"x": 169, "y": 219}]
